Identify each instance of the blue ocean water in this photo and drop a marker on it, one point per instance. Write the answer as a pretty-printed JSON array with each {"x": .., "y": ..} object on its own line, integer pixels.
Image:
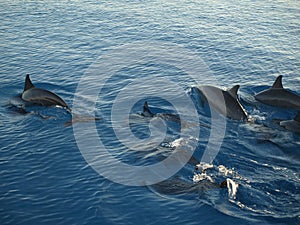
[{"x": 44, "y": 178}]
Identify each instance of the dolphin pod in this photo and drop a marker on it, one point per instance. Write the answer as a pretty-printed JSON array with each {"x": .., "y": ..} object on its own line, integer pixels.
[
  {"x": 39, "y": 96},
  {"x": 225, "y": 102}
]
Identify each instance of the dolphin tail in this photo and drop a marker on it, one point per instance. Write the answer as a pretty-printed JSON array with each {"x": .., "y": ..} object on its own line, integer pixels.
[
  {"x": 297, "y": 117},
  {"x": 28, "y": 83},
  {"x": 278, "y": 82}
]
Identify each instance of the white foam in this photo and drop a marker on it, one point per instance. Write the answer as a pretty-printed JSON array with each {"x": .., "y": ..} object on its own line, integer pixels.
[
  {"x": 183, "y": 142},
  {"x": 202, "y": 166},
  {"x": 223, "y": 170},
  {"x": 201, "y": 176},
  {"x": 232, "y": 188},
  {"x": 178, "y": 142}
]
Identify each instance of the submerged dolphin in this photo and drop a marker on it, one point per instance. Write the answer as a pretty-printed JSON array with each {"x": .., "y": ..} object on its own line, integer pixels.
[
  {"x": 278, "y": 96},
  {"x": 40, "y": 96},
  {"x": 176, "y": 185},
  {"x": 225, "y": 102},
  {"x": 292, "y": 125},
  {"x": 167, "y": 116}
]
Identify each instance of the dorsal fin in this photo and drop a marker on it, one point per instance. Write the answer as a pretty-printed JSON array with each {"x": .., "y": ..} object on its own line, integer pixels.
[
  {"x": 278, "y": 82},
  {"x": 146, "y": 107},
  {"x": 297, "y": 117},
  {"x": 28, "y": 83},
  {"x": 146, "y": 110},
  {"x": 233, "y": 91}
]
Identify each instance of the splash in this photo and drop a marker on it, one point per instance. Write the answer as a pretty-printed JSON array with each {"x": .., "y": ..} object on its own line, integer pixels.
[
  {"x": 225, "y": 171},
  {"x": 232, "y": 188},
  {"x": 216, "y": 172},
  {"x": 202, "y": 166},
  {"x": 202, "y": 176}
]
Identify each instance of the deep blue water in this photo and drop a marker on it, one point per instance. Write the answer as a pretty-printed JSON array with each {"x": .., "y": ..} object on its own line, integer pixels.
[{"x": 44, "y": 177}]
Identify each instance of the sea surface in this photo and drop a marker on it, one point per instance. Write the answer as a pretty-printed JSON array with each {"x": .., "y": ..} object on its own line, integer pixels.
[{"x": 104, "y": 56}]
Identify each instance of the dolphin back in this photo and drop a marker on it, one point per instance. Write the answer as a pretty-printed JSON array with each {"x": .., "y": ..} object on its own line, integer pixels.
[
  {"x": 224, "y": 102},
  {"x": 43, "y": 97},
  {"x": 279, "y": 96},
  {"x": 40, "y": 96},
  {"x": 177, "y": 185},
  {"x": 292, "y": 125}
]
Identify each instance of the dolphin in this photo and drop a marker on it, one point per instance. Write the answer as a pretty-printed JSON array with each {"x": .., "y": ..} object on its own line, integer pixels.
[
  {"x": 39, "y": 96},
  {"x": 279, "y": 96},
  {"x": 225, "y": 102},
  {"x": 292, "y": 125},
  {"x": 177, "y": 185},
  {"x": 167, "y": 116}
]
